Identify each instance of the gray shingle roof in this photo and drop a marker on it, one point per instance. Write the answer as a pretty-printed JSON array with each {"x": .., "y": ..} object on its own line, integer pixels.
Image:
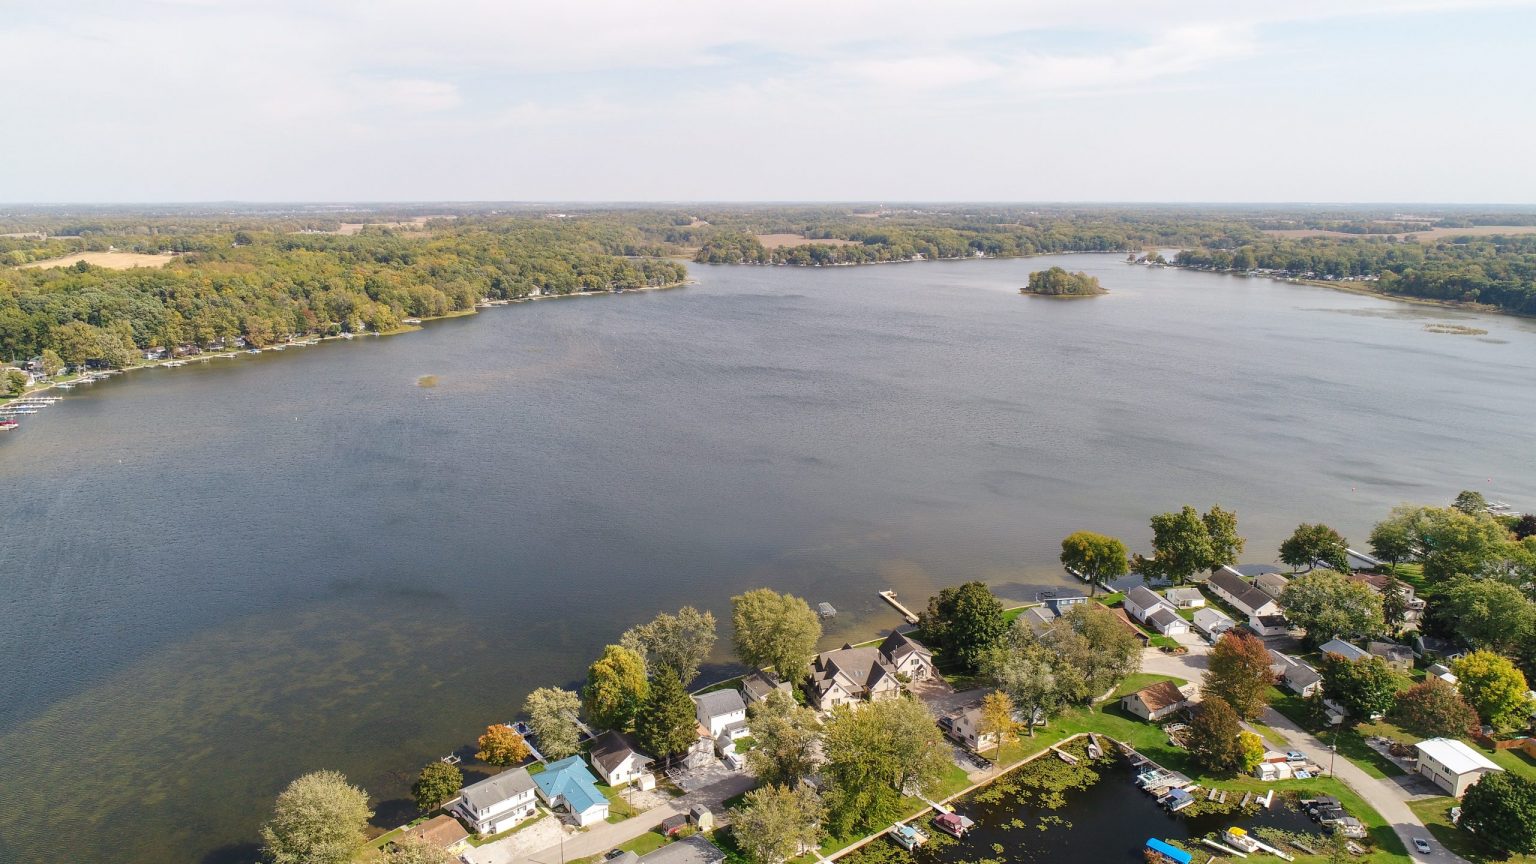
[
  {"x": 719, "y": 702},
  {"x": 1143, "y": 597},
  {"x": 493, "y": 790},
  {"x": 689, "y": 850}
]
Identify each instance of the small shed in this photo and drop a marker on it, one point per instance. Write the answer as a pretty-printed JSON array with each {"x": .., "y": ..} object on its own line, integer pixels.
[{"x": 701, "y": 816}]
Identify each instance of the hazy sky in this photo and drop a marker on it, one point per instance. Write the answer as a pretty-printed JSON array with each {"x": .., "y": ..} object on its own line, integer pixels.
[{"x": 1067, "y": 100}]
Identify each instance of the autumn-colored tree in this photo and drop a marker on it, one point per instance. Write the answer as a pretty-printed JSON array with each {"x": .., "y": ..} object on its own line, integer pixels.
[
  {"x": 1434, "y": 709},
  {"x": 616, "y": 687},
  {"x": 1215, "y": 737},
  {"x": 1239, "y": 673},
  {"x": 1494, "y": 688},
  {"x": 501, "y": 745},
  {"x": 997, "y": 718}
]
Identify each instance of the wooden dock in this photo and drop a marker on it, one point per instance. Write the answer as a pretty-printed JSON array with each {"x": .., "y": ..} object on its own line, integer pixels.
[{"x": 890, "y": 597}]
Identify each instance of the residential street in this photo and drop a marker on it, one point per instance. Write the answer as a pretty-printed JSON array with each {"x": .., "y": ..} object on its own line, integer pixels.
[{"x": 1389, "y": 799}]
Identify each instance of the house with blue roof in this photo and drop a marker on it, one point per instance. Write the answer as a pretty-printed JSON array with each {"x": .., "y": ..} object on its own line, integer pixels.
[{"x": 568, "y": 786}]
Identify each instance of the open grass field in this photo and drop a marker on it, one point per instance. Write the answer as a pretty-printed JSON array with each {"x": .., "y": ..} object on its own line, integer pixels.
[
  {"x": 775, "y": 241},
  {"x": 110, "y": 260},
  {"x": 1429, "y": 236}
]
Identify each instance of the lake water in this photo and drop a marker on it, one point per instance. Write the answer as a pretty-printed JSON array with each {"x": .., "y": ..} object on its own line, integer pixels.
[
  {"x": 1110, "y": 821},
  {"x": 218, "y": 577}
]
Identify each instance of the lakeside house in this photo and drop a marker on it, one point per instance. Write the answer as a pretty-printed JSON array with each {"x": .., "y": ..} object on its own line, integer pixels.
[
  {"x": 1155, "y": 702},
  {"x": 756, "y": 686},
  {"x": 722, "y": 715},
  {"x": 1297, "y": 676},
  {"x": 617, "y": 758},
  {"x": 1452, "y": 765},
  {"x": 1054, "y": 604},
  {"x": 497, "y": 803},
  {"x": 965, "y": 727},
  {"x": 1230, "y": 586},
  {"x": 851, "y": 674},
  {"x": 442, "y": 831},
  {"x": 1155, "y": 612},
  {"x": 1212, "y": 622},
  {"x": 568, "y": 786},
  {"x": 1272, "y": 584},
  {"x": 1185, "y": 598}
]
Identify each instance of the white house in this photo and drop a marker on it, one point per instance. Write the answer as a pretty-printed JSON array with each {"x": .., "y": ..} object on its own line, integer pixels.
[
  {"x": 1452, "y": 765},
  {"x": 1167, "y": 622},
  {"x": 1297, "y": 676},
  {"x": 966, "y": 726},
  {"x": 1269, "y": 625},
  {"x": 1154, "y": 611},
  {"x": 1185, "y": 598},
  {"x": 1272, "y": 584},
  {"x": 1212, "y": 622},
  {"x": 1141, "y": 601},
  {"x": 617, "y": 759},
  {"x": 721, "y": 712},
  {"x": 1230, "y": 586},
  {"x": 497, "y": 803},
  {"x": 1154, "y": 702}
]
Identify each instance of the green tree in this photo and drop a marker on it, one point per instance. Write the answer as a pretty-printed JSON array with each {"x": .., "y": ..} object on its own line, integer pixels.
[
  {"x": 1328, "y": 604},
  {"x": 996, "y": 719},
  {"x": 1494, "y": 688},
  {"x": 552, "y": 716},
  {"x": 1434, "y": 709},
  {"x": 616, "y": 685},
  {"x": 873, "y": 752},
  {"x": 775, "y": 630},
  {"x": 1488, "y": 614},
  {"x": 319, "y": 819},
  {"x": 1238, "y": 672},
  {"x": 1309, "y": 544},
  {"x": 53, "y": 364},
  {"x": 1099, "y": 649},
  {"x": 1501, "y": 810},
  {"x": 682, "y": 641},
  {"x": 1033, "y": 676},
  {"x": 665, "y": 725},
  {"x": 1396, "y": 538},
  {"x": 784, "y": 736},
  {"x": 1215, "y": 737},
  {"x": 1099, "y": 558},
  {"x": 1457, "y": 544},
  {"x": 1186, "y": 543},
  {"x": 418, "y": 850},
  {"x": 1365, "y": 687},
  {"x": 501, "y": 745},
  {"x": 1057, "y": 282},
  {"x": 775, "y": 823},
  {"x": 1394, "y": 604},
  {"x": 1470, "y": 502},
  {"x": 436, "y": 783},
  {"x": 964, "y": 621}
]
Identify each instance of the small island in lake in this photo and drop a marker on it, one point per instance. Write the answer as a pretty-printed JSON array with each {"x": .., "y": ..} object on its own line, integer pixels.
[{"x": 1057, "y": 282}]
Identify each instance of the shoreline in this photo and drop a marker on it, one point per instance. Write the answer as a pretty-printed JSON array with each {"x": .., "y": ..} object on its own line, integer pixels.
[
  {"x": 1359, "y": 288},
  {"x": 308, "y": 340}
]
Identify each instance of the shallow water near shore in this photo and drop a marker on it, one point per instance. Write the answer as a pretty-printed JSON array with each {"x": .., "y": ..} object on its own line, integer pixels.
[{"x": 220, "y": 576}]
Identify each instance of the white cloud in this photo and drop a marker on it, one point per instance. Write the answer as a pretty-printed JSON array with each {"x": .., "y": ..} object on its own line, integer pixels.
[{"x": 871, "y": 92}]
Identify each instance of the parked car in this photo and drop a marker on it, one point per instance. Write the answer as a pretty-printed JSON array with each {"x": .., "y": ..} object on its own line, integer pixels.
[{"x": 1421, "y": 844}]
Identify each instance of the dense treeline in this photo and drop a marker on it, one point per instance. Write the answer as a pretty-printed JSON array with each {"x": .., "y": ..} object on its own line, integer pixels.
[
  {"x": 930, "y": 236},
  {"x": 266, "y": 287},
  {"x": 1498, "y": 270}
]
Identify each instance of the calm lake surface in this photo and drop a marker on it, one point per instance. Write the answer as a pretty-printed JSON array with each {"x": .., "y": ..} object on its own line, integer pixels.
[
  {"x": 1110, "y": 821},
  {"x": 218, "y": 577}
]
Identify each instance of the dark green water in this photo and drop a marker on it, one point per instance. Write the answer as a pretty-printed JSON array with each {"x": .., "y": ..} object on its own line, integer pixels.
[{"x": 215, "y": 578}]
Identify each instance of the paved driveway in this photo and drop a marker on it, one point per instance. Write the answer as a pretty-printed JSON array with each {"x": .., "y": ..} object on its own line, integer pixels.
[{"x": 1389, "y": 798}]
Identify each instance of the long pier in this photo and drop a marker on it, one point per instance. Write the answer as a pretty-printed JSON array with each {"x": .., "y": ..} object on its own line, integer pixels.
[{"x": 890, "y": 597}]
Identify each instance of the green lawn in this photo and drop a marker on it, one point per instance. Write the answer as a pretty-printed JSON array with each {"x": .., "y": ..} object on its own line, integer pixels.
[
  {"x": 1513, "y": 761},
  {"x": 650, "y": 841},
  {"x": 475, "y": 840},
  {"x": 1435, "y": 813},
  {"x": 618, "y": 808},
  {"x": 1350, "y": 740}
]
